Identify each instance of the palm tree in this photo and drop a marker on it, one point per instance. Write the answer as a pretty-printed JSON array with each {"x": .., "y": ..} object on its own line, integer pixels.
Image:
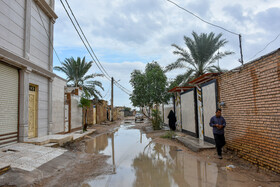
[
  {"x": 200, "y": 56},
  {"x": 76, "y": 72}
]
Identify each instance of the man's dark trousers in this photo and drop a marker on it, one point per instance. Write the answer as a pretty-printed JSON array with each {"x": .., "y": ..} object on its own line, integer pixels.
[{"x": 220, "y": 142}]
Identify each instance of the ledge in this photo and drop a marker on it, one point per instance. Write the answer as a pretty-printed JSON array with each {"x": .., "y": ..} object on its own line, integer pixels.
[
  {"x": 46, "y": 9},
  {"x": 22, "y": 63}
]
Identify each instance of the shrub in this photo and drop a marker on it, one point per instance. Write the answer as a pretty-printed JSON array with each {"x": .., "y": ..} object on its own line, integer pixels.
[
  {"x": 169, "y": 134},
  {"x": 156, "y": 121}
]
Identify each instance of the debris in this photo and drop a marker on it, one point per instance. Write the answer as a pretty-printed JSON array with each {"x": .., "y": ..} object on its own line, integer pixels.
[{"x": 230, "y": 167}]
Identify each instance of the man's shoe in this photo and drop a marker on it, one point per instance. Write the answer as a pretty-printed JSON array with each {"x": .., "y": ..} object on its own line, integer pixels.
[{"x": 220, "y": 157}]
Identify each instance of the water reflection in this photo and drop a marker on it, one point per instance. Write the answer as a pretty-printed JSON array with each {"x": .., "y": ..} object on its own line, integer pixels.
[
  {"x": 98, "y": 144},
  {"x": 138, "y": 162}
]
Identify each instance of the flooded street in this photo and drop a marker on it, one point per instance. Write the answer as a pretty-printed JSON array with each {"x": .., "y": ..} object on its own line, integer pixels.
[
  {"x": 126, "y": 154},
  {"x": 137, "y": 161}
]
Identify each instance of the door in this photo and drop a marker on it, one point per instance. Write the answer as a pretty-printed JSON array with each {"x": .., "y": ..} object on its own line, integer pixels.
[
  {"x": 66, "y": 121},
  {"x": 67, "y": 110},
  {"x": 94, "y": 115},
  {"x": 209, "y": 94},
  {"x": 32, "y": 111},
  {"x": 199, "y": 113},
  {"x": 8, "y": 104},
  {"x": 188, "y": 112}
]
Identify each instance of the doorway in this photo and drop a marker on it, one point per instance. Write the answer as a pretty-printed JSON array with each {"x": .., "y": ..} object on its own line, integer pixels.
[{"x": 33, "y": 111}]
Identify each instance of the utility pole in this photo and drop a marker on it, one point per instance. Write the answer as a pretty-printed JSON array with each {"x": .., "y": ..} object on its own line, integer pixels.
[
  {"x": 112, "y": 99},
  {"x": 240, "y": 46}
]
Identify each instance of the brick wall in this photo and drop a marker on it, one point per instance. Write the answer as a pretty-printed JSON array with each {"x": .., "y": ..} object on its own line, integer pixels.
[{"x": 252, "y": 110}]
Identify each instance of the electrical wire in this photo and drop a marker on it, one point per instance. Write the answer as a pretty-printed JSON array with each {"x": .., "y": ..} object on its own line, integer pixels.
[
  {"x": 49, "y": 36},
  {"x": 265, "y": 47},
  {"x": 202, "y": 19},
  {"x": 86, "y": 38},
  {"x": 97, "y": 62},
  {"x": 106, "y": 93}
]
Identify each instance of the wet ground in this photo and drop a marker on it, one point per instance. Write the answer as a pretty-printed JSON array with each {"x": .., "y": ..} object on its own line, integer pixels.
[
  {"x": 138, "y": 161},
  {"x": 122, "y": 154}
]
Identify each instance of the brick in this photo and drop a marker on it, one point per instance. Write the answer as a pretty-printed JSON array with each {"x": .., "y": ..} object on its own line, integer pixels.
[{"x": 252, "y": 111}]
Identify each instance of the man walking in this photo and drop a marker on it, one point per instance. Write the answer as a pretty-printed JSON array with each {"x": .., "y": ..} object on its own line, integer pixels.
[{"x": 218, "y": 123}]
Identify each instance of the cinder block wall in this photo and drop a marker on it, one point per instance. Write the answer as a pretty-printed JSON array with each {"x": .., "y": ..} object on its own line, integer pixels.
[{"x": 252, "y": 110}]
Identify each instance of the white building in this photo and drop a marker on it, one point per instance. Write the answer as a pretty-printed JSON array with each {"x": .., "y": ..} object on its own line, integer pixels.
[{"x": 26, "y": 69}]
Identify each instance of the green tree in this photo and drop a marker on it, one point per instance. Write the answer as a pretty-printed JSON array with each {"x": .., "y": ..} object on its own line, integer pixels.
[
  {"x": 77, "y": 75},
  {"x": 200, "y": 57},
  {"x": 85, "y": 104},
  {"x": 149, "y": 89}
]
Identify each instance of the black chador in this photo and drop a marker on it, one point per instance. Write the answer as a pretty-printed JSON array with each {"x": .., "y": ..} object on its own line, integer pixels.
[{"x": 172, "y": 120}]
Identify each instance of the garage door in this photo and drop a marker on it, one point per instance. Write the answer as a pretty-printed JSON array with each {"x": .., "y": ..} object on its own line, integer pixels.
[
  {"x": 8, "y": 104},
  {"x": 188, "y": 113}
]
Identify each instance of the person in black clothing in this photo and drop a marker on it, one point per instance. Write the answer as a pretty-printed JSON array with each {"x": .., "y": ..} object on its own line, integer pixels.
[
  {"x": 172, "y": 120},
  {"x": 218, "y": 123}
]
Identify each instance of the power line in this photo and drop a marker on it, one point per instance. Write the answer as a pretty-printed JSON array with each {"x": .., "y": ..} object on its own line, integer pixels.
[
  {"x": 202, "y": 19},
  {"x": 104, "y": 71},
  {"x": 214, "y": 25},
  {"x": 265, "y": 47},
  {"x": 106, "y": 93},
  {"x": 86, "y": 38},
  {"x": 50, "y": 38},
  {"x": 99, "y": 65}
]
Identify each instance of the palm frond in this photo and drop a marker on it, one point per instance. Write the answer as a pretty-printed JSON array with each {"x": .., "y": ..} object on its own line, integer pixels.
[{"x": 175, "y": 65}]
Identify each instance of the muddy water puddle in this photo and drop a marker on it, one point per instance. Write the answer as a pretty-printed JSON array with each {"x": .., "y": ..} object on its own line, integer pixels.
[{"x": 139, "y": 162}]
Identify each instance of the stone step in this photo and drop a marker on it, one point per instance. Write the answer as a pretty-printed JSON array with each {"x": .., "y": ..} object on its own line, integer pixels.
[
  {"x": 4, "y": 168},
  {"x": 194, "y": 144},
  {"x": 51, "y": 145}
]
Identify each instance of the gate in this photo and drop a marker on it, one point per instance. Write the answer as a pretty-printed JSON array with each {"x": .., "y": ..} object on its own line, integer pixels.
[
  {"x": 210, "y": 102},
  {"x": 188, "y": 108}
]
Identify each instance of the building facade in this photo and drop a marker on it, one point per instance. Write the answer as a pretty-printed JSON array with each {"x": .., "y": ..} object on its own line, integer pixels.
[{"x": 26, "y": 69}]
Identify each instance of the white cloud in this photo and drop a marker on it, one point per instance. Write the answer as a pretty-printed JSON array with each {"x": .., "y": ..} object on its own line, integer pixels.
[{"x": 128, "y": 34}]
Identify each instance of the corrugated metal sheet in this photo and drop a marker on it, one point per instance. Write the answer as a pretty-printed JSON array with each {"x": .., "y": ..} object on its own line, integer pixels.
[{"x": 8, "y": 104}]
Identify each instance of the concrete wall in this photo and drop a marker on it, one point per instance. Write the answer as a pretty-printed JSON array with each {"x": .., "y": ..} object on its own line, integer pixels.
[
  {"x": 39, "y": 40},
  {"x": 252, "y": 110},
  {"x": 165, "y": 111},
  {"x": 12, "y": 15},
  {"x": 101, "y": 112},
  {"x": 91, "y": 115},
  {"x": 25, "y": 44},
  {"x": 43, "y": 100},
  {"x": 76, "y": 112},
  {"x": 58, "y": 110}
]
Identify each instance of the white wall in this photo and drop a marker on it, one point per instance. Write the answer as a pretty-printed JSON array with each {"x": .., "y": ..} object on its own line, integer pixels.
[
  {"x": 76, "y": 112},
  {"x": 58, "y": 113},
  {"x": 209, "y": 107},
  {"x": 167, "y": 109},
  {"x": 188, "y": 111},
  {"x": 43, "y": 99},
  {"x": 12, "y": 15}
]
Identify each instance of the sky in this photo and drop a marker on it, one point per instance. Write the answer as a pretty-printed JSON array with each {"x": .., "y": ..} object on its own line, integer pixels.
[{"x": 126, "y": 35}]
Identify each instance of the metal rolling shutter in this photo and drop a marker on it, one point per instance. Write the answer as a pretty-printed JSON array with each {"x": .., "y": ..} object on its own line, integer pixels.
[{"x": 8, "y": 104}]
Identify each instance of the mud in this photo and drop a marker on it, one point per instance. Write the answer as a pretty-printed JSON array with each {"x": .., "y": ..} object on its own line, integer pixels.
[
  {"x": 145, "y": 159},
  {"x": 124, "y": 154}
]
